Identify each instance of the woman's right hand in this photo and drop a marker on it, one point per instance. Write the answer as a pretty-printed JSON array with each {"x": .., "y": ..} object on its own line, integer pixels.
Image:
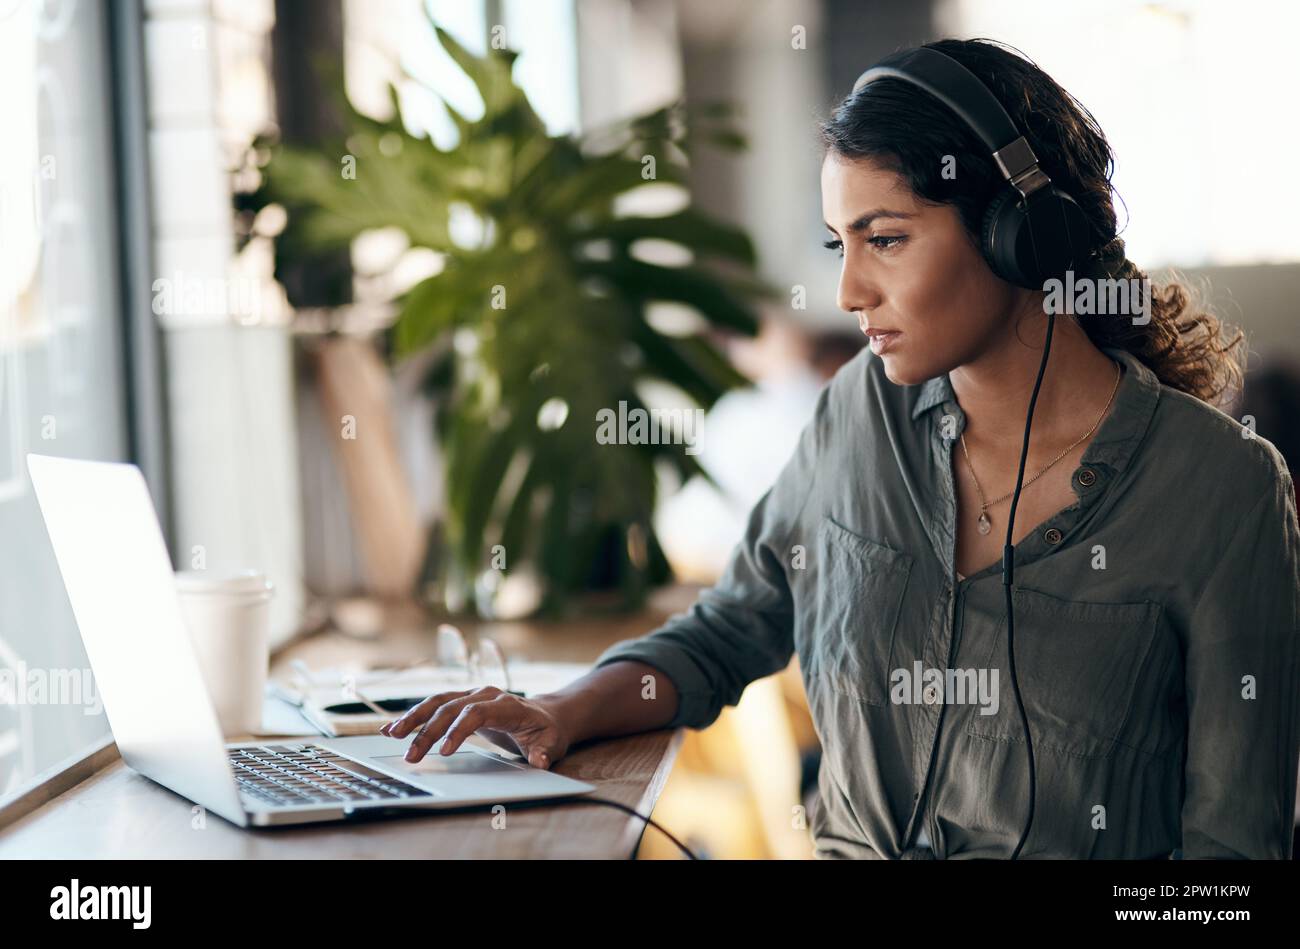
[{"x": 528, "y": 727}]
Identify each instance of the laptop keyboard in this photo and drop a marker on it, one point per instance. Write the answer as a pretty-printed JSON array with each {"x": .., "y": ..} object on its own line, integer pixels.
[{"x": 288, "y": 775}]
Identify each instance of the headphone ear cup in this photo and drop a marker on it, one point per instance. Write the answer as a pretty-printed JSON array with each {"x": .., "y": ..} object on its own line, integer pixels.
[
  {"x": 1030, "y": 245},
  {"x": 997, "y": 224}
]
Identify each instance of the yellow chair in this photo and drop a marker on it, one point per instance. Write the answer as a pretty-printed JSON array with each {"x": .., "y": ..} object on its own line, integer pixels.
[{"x": 734, "y": 790}]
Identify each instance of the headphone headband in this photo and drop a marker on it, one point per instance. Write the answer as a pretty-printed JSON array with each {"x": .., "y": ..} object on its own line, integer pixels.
[{"x": 962, "y": 91}]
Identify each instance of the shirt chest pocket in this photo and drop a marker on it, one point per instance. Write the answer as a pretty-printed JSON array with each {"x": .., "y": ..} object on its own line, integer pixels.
[
  {"x": 1078, "y": 665},
  {"x": 859, "y": 596}
]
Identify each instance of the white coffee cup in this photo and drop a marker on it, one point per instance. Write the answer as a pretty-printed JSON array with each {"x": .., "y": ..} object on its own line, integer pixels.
[{"x": 228, "y": 617}]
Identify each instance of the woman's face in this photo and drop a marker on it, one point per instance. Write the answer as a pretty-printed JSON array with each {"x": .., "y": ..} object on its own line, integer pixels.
[{"x": 910, "y": 268}]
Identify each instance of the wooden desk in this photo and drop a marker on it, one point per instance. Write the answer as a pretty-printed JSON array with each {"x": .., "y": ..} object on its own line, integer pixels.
[{"x": 118, "y": 813}]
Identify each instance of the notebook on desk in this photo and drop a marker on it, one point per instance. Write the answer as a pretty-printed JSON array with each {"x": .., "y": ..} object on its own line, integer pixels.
[{"x": 119, "y": 581}]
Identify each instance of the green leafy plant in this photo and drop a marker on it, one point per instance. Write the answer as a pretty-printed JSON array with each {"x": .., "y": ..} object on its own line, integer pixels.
[{"x": 547, "y": 307}]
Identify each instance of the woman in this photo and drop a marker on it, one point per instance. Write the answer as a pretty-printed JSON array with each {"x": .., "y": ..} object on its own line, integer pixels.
[{"x": 1157, "y": 554}]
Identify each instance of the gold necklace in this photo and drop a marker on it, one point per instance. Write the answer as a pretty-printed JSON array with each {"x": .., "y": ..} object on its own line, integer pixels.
[{"x": 985, "y": 524}]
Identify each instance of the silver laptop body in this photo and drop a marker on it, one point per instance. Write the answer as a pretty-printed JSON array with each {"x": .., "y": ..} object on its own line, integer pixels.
[{"x": 119, "y": 580}]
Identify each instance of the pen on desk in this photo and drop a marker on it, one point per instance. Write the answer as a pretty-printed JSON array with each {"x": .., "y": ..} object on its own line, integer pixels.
[{"x": 361, "y": 697}]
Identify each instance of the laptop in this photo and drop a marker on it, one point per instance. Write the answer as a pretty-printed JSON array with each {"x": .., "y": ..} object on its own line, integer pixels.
[{"x": 119, "y": 580}]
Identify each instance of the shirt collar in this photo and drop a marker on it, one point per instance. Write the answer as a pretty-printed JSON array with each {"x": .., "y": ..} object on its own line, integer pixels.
[
  {"x": 1124, "y": 427},
  {"x": 934, "y": 392}
]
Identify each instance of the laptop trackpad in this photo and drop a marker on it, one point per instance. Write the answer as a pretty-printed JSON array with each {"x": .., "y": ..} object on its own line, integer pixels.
[{"x": 462, "y": 762}]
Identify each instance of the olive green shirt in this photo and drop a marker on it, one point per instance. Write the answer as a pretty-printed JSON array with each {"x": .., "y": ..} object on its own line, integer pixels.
[{"x": 1155, "y": 634}]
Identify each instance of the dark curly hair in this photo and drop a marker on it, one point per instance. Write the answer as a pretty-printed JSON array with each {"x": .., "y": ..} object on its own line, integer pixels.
[{"x": 903, "y": 129}]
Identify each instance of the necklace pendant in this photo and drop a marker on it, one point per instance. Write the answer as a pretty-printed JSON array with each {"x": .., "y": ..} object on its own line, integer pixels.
[{"x": 985, "y": 524}]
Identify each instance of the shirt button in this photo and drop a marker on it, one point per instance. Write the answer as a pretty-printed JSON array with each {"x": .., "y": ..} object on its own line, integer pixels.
[
  {"x": 1087, "y": 477},
  {"x": 1052, "y": 535},
  {"x": 931, "y": 695}
]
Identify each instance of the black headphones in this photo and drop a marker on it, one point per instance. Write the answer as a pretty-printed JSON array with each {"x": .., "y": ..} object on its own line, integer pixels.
[
  {"x": 1030, "y": 235},
  {"x": 1031, "y": 229}
]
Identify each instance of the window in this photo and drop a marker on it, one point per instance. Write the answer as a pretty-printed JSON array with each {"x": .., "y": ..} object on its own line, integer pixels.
[{"x": 61, "y": 363}]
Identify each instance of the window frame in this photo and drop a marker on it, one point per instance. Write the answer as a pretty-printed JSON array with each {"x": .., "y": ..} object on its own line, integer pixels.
[{"x": 145, "y": 409}]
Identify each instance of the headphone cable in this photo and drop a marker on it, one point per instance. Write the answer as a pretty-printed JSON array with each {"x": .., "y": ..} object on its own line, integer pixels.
[
  {"x": 1008, "y": 558},
  {"x": 1008, "y": 551}
]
